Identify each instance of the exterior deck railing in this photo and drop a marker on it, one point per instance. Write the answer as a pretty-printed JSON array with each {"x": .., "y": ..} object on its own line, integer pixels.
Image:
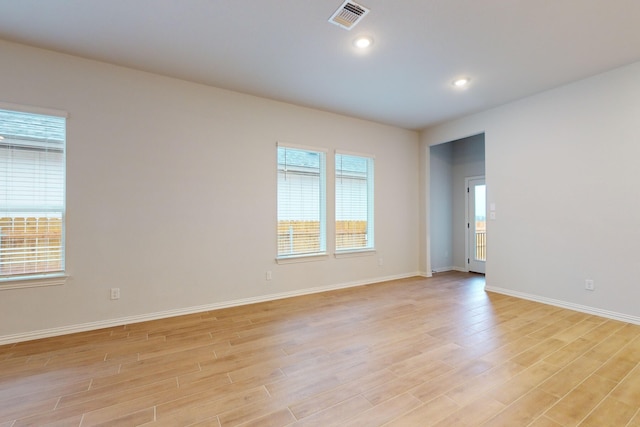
[{"x": 481, "y": 245}]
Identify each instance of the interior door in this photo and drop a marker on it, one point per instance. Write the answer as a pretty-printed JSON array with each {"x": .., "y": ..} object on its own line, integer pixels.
[{"x": 476, "y": 225}]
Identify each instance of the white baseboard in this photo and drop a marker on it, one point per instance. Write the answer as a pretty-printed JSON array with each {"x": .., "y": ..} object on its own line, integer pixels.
[
  {"x": 568, "y": 305},
  {"x": 83, "y": 327},
  {"x": 441, "y": 269},
  {"x": 450, "y": 268}
]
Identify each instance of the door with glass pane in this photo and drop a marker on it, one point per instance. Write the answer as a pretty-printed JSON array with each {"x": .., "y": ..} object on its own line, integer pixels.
[{"x": 476, "y": 225}]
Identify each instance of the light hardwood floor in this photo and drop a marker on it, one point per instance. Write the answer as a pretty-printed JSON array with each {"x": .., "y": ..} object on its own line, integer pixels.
[{"x": 413, "y": 352}]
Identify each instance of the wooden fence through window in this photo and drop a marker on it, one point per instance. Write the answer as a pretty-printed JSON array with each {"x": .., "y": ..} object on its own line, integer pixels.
[
  {"x": 30, "y": 245},
  {"x": 304, "y": 236}
]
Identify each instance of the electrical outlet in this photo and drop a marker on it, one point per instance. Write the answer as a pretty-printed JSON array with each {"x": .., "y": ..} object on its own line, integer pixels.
[
  {"x": 268, "y": 275},
  {"x": 380, "y": 261},
  {"x": 588, "y": 285},
  {"x": 115, "y": 293}
]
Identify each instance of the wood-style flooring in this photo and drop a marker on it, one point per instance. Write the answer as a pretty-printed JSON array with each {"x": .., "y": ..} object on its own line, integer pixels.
[{"x": 413, "y": 352}]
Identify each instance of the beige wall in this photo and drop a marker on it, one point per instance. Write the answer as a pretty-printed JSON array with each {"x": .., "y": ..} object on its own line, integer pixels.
[
  {"x": 562, "y": 170},
  {"x": 171, "y": 194}
]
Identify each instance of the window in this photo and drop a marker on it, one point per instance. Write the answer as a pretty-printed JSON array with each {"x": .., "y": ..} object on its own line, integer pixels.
[
  {"x": 354, "y": 202},
  {"x": 301, "y": 202},
  {"x": 32, "y": 195}
]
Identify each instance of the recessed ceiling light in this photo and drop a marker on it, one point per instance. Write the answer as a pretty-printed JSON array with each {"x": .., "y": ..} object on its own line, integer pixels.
[
  {"x": 363, "y": 42},
  {"x": 461, "y": 82}
]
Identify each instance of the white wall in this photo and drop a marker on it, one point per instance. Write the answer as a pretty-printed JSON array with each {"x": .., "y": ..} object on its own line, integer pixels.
[
  {"x": 441, "y": 206},
  {"x": 562, "y": 169},
  {"x": 171, "y": 194}
]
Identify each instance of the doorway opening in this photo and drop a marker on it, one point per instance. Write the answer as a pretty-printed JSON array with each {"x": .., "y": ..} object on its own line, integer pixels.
[{"x": 451, "y": 165}]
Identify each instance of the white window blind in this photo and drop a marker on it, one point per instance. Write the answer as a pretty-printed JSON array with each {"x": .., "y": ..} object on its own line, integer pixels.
[
  {"x": 354, "y": 202},
  {"x": 32, "y": 194},
  {"x": 301, "y": 202}
]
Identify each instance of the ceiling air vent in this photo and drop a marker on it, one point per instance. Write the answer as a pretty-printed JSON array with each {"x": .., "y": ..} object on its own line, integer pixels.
[{"x": 348, "y": 15}]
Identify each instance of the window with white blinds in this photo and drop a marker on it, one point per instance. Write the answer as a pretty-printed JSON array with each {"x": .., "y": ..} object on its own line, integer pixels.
[
  {"x": 301, "y": 202},
  {"x": 354, "y": 202},
  {"x": 32, "y": 194}
]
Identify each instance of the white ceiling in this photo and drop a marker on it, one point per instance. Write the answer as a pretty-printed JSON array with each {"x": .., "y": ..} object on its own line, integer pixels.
[{"x": 286, "y": 50}]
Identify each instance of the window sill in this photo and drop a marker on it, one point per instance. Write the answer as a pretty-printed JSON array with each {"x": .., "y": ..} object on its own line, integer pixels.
[
  {"x": 301, "y": 258},
  {"x": 354, "y": 253},
  {"x": 34, "y": 281}
]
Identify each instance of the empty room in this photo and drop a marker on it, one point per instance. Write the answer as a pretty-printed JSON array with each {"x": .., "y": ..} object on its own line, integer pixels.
[{"x": 319, "y": 213}]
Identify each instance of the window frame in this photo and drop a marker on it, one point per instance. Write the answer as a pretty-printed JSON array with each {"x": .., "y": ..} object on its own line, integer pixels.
[
  {"x": 283, "y": 258},
  {"x": 370, "y": 205},
  {"x": 43, "y": 278}
]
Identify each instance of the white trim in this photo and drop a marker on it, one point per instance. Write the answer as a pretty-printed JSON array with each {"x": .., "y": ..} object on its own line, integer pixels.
[
  {"x": 302, "y": 258},
  {"x": 353, "y": 153},
  {"x": 83, "y": 327},
  {"x": 370, "y": 199},
  {"x": 302, "y": 147},
  {"x": 35, "y": 281},
  {"x": 568, "y": 305},
  {"x": 354, "y": 252},
  {"x": 442, "y": 269},
  {"x": 450, "y": 268},
  {"x": 33, "y": 110}
]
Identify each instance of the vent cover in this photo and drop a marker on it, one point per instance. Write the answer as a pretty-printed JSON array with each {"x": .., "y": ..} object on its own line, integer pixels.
[{"x": 348, "y": 15}]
